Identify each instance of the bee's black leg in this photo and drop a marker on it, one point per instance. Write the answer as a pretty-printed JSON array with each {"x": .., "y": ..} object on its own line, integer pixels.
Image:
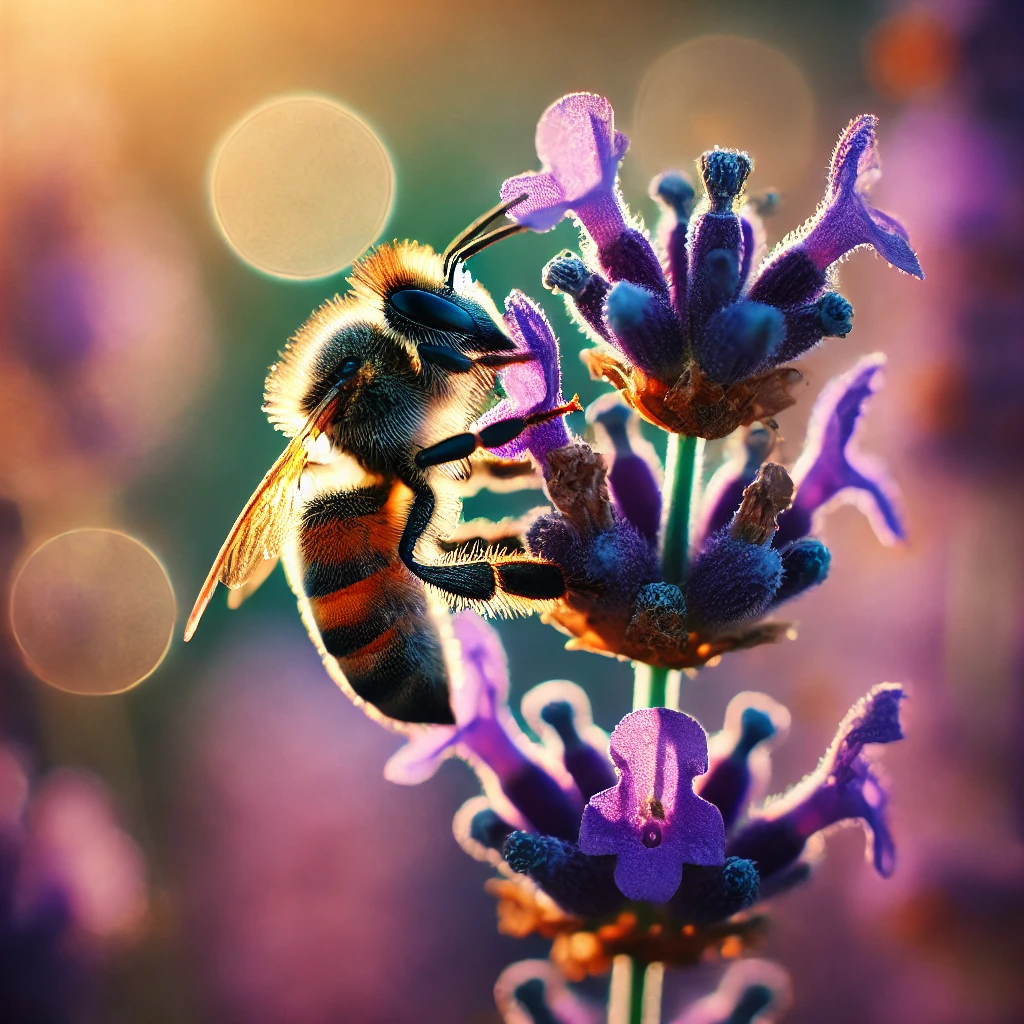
[
  {"x": 472, "y": 580},
  {"x": 461, "y": 446},
  {"x": 479, "y": 580}
]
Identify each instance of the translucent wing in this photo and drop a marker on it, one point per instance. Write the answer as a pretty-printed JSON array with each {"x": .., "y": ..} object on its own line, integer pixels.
[{"x": 262, "y": 527}]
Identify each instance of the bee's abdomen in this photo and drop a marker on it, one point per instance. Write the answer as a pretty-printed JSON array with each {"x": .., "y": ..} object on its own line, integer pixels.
[{"x": 371, "y": 612}]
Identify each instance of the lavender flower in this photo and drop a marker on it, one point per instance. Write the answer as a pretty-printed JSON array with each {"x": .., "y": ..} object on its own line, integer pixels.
[
  {"x": 830, "y": 470},
  {"x": 523, "y": 785},
  {"x": 531, "y": 387},
  {"x": 844, "y": 221},
  {"x": 700, "y": 351},
  {"x": 750, "y": 992},
  {"x": 739, "y": 762},
  {"x": 652, "y": 820},
  {"x": 534, "y": 992},
  {"x": 843, "y": 788}
]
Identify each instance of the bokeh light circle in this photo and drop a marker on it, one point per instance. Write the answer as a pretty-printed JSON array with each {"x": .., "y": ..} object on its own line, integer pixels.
[
  {"x": 93, "y": 612},
  {"x": 300, "y": 187},
  {"x": 725, "y": 91}
]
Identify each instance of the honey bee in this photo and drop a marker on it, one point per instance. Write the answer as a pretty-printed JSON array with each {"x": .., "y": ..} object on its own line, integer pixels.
[{"x": 377, "y": 392}]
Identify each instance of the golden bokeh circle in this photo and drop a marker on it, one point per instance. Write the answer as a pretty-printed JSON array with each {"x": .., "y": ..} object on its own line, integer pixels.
[
  {"x": 93, "y": 612},
  {"x": 727, "y": 91},
  {"x": 300, "y": 186}
]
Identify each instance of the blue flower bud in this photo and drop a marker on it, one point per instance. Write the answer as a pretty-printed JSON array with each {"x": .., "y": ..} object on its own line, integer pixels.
[
  {"x": 724, "y": 173},
  {"x": 631, "y": 258},
  {"x": 675, "y": 191},
  {"x": 632, "y": 477},
  {"x": 805, "y": 564},
  {"x": 590, "y": 768},
  {"x": 709, "y": 894},
  {"x": 584, "y": 291},
  {"x": 739, "y": 340},
  {"x": 727, "y": 783},
  {"x": 829, "y": 316},
  {"x": 836, "y": 315},
  {"x": 489, "y": 830},
  {"x": 531, "y": 995},
  {"x": 731, "y": 580},
  {"x": 646, "y": 328},
  {"x": 578, "y": 883}
]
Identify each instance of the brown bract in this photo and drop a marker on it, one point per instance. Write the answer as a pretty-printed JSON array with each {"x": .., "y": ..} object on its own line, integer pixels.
[
  {"x": 641, "y": 640},
  {"x": 583, "y": 948},
  {"x": 695, "y": 405}
]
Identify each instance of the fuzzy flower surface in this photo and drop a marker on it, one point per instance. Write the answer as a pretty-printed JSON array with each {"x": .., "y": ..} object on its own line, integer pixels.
[
  {"x": 652, "y": 821},
  {"x": 696, "y": 331},
  {"x": 530, "y": 387},
  {"x": 580, "y": 151},
  {"x": 845, "y": 787}
]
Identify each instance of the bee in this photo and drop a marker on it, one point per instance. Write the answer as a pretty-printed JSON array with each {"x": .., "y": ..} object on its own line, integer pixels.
[{"x": 377, "y": 393}]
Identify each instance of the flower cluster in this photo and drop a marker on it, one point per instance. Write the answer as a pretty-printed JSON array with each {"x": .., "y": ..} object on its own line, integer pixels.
[
  {"x": 697, "y": 332},
  {"x": 752, "y": 548},
  {"x": 643, "y": 843},
  {"x": 654, "y": 843}
]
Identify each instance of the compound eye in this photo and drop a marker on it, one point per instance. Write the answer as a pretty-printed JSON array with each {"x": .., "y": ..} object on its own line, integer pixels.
[
  {"x": 348, "y": 369},
  {"x": 432, "y": 311}
]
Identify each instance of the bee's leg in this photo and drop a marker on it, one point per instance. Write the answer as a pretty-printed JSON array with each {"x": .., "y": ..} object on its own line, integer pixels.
[
  {"x": 461, "y": 446},
  {"x": 476, "y": 580},
  {"x": 472, "y": 580}
]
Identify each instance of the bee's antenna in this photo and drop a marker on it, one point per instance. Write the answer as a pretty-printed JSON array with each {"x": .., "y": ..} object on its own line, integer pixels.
[
  {"x": 478, "y": 244},
  {"x": 454, "y": 253}
]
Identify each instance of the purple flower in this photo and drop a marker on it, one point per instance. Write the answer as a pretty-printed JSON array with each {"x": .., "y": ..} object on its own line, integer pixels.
[
  {"x": 753, "y": 991},
  {"x": 522, "y": 785},
  {"x": 844, "y": 787},
  {"x": 634, "y": 474},
  {"x": 533, "y": 991},
  {"x": 579, "y": 151},
  {"x": 844, "y": 222},
  {"x": 531, "y": 387},
  {"x": 830, "y": 469},
  {"x": 848, "y": 220},
  {"x": 652, "y": 820}
]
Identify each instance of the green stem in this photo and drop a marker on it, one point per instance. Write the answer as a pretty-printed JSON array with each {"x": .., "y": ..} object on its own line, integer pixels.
[
  {"x": 652, "y": 686},
  {"x": 636, "y": 992},
  {"x": 682, "y": 479}
]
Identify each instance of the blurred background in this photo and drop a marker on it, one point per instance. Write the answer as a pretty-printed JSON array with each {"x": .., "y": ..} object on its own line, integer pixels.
[{"x": 217, "y": 843}]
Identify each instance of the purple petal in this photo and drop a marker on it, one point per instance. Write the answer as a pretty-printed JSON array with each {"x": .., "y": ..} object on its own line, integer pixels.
[
  {"x": 579, "y": 150},
  {"x": 830, "y": 468},
  {"x": 652, "y": 820},
  {"x": 421, "y": 756},
  {"x": 530, "y": 387},
  {"x": 483, "y": 689},
  {"x": 635, "y": 474},
  {"x": 479, "y": 693},
  {"x": 875, "y": 718},
  {"x": 848, "y": 220}
]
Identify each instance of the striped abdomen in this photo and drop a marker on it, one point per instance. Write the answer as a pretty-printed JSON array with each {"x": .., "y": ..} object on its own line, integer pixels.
[{"x": 370, "y": 611}]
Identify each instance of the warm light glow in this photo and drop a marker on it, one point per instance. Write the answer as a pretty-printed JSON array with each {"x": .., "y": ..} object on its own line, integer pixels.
[
  {"x": 731, "y": 92},
  {"x": 93, "y": 612},
  {"x": 300, "y": 187},
  {"x": 910, "y": 54}
]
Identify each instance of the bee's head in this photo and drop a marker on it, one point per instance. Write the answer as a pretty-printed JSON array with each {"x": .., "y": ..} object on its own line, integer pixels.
[
  {"x": 406, "y": 283},
  {"x": 387, "y": 396}
]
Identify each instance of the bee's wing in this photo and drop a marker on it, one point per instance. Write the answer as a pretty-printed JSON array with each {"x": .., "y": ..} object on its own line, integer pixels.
[{"x": 262, "y": 527}]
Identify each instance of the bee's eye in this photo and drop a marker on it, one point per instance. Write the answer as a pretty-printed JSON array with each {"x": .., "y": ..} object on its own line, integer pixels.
[
  {"x": 432, "y": 311},
  {"x": 348, "y": 369}
]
